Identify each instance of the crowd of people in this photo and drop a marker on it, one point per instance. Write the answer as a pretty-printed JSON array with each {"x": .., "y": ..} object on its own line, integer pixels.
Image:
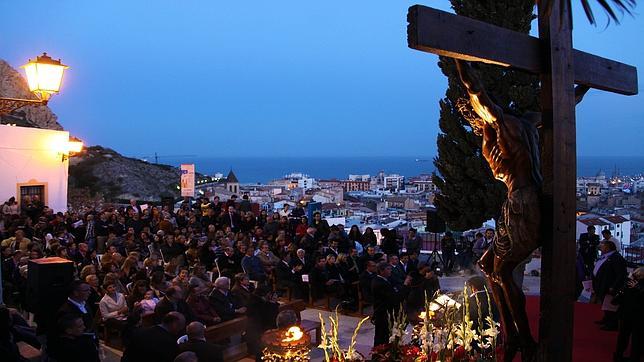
[
  {"x": 212, "y": 261},
  {"x": 206, "y": 262}
]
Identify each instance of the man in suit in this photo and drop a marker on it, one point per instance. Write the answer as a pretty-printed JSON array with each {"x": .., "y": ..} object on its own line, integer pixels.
[
  {"x": 588, "y": 243},
  {"x": 386, "y": 300},
  {"x": 231, "y": 218},
  {"x": 301, "y": 260},
  {"x": 221, "y": 299},
  {"x": 397, "y": 273},
  {"x": 76, "y": 304},
  {"x": 406, "y": 265},
  {"x": 287, "y": 276},
  {"x": 609, "y": 275},
  {"x": 197, "y": 343},
  {"x": 157, "y": 343},
  {"x": 365, "y": 281}
]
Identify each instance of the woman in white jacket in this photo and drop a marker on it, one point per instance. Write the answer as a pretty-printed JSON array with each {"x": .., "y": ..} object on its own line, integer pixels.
[{"x": 113, "y": 307}]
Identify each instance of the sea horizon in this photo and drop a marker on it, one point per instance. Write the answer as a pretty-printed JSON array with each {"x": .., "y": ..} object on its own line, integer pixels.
[{"x": 263, "y": 169}]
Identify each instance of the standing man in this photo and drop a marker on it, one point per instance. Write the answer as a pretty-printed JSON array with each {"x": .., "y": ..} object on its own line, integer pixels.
[
  {"x": 413, "y": 243},
  {"x": 588, "y": 243},
  {"x": 448, "y": 249},
  {"x": 387, "y": 299},
  {"x": 231, "y": 218},
  {"x": 607, "y": 236}
]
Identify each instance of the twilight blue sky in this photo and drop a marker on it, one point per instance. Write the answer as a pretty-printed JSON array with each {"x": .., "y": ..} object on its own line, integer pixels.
[{"x": 273, "y": 78}]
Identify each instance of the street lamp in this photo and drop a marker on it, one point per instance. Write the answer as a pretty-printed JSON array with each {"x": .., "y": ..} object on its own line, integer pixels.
[
  {"x": 44, "y": 76},
  {"x": 74, "y": 145}
]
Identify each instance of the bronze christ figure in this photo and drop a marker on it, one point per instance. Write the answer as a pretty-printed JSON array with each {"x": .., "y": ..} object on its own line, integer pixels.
[{"x": 511, "y": 148}]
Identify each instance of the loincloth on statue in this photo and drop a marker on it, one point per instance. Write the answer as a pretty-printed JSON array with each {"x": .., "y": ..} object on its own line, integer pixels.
[{"x": 518, "y": 230}]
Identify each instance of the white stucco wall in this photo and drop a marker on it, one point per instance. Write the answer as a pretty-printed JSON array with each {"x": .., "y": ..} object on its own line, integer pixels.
[{"x": 34, "y": 155}]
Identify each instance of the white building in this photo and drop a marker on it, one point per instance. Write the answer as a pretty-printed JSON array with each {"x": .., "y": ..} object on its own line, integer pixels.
[
  {"x": 393, "y": 182},
  {"x": 34, "y": 161}
]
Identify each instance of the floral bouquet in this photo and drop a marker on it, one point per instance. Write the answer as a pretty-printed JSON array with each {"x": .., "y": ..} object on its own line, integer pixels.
[{"x": 444, "y": 333}]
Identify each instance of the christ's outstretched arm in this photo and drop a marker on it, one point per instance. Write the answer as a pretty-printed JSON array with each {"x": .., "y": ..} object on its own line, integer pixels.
[{"x": 481, "y": 102}]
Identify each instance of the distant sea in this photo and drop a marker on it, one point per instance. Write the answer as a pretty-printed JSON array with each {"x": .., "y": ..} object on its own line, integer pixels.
[{"x": 264, "y": 169}]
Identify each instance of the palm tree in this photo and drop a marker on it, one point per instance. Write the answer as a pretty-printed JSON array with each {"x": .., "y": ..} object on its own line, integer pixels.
[{"x": 611, "y": 7}]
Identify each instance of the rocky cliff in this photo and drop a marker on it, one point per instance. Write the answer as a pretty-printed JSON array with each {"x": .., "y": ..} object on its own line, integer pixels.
[
  {"x": 104, "y": 171},
  {"x": 98, "y": 172},
  {"x": 14, "y": 85}
]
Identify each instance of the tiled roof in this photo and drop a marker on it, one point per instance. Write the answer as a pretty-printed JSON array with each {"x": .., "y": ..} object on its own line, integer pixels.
[{"x": 616, "y": 219}]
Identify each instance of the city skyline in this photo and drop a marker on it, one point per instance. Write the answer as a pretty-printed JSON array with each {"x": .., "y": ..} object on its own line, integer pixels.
[{"x": 276, "y": 80}]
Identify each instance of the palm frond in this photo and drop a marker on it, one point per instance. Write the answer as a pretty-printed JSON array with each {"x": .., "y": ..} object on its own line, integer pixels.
[{"x": 612, "y": 8}]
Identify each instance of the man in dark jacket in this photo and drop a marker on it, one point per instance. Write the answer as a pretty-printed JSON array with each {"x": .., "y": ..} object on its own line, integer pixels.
[
  {"x": 386, "y": 300},
  {"x": 222, "y": 301},
  {"x": 365, "y": 281},
  {"x": 76, "y": 304},
  {"x": 588, "y": 243},
  {"x": 157, "y": 343},
  {"x": 197, "y": 343},
  {"x": 609, "y": 275}
]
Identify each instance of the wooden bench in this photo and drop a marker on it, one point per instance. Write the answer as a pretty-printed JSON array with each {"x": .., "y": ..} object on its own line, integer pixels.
[{"x": 227, "y": 329}]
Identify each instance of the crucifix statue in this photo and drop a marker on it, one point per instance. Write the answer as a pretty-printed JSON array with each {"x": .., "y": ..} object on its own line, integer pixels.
[{"x": 540, "y": 172}]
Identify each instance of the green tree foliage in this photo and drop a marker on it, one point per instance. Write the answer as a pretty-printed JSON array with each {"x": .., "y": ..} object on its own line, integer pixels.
[{"x": 469, "y": 195}]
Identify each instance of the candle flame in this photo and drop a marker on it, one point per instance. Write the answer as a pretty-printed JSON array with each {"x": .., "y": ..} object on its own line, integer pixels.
[{"x": 293, "y": 334}]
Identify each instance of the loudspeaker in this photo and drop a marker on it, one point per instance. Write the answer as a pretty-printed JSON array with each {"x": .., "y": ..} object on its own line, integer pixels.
[
  {"x": 434, "y": 222},
  {"x": 48, "y": 280}
]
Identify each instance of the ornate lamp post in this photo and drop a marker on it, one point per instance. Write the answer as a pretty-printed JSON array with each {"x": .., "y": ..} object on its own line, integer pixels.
[{"x": 44, "y": 76}]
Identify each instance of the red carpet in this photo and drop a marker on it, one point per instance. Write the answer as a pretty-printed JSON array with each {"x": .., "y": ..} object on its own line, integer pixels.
[{"x": 590, "y": 343}]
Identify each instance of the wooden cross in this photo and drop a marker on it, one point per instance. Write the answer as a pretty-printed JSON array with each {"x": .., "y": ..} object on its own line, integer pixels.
[{"x": 560, "y": 67}]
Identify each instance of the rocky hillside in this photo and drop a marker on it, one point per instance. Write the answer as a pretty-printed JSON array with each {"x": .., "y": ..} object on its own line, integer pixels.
[
  {"x": 97, "y": 172},
  {"x": 103, "y": 171},
  {"x": 14, "y": 85}
]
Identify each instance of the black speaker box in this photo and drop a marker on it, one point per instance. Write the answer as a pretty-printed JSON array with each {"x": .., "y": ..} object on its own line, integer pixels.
[
  {"x": 48, "y": 280},
  {"x": 434, "y": 222}
]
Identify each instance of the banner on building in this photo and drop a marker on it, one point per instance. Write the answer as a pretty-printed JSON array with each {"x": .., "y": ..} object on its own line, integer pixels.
[{"x": 188, "y": 180}]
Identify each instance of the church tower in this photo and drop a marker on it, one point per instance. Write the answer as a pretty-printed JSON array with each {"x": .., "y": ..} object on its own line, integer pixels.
[{"x": 232, "y": 183}]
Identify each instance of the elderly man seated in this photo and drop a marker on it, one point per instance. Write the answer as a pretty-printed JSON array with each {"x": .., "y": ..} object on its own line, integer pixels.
[
  {"x": 197, "y": 343},
  {"x": 222, "y": 300}
]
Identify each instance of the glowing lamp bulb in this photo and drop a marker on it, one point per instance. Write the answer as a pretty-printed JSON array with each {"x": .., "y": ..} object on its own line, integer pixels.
[{"x": 44, "y": 76}]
